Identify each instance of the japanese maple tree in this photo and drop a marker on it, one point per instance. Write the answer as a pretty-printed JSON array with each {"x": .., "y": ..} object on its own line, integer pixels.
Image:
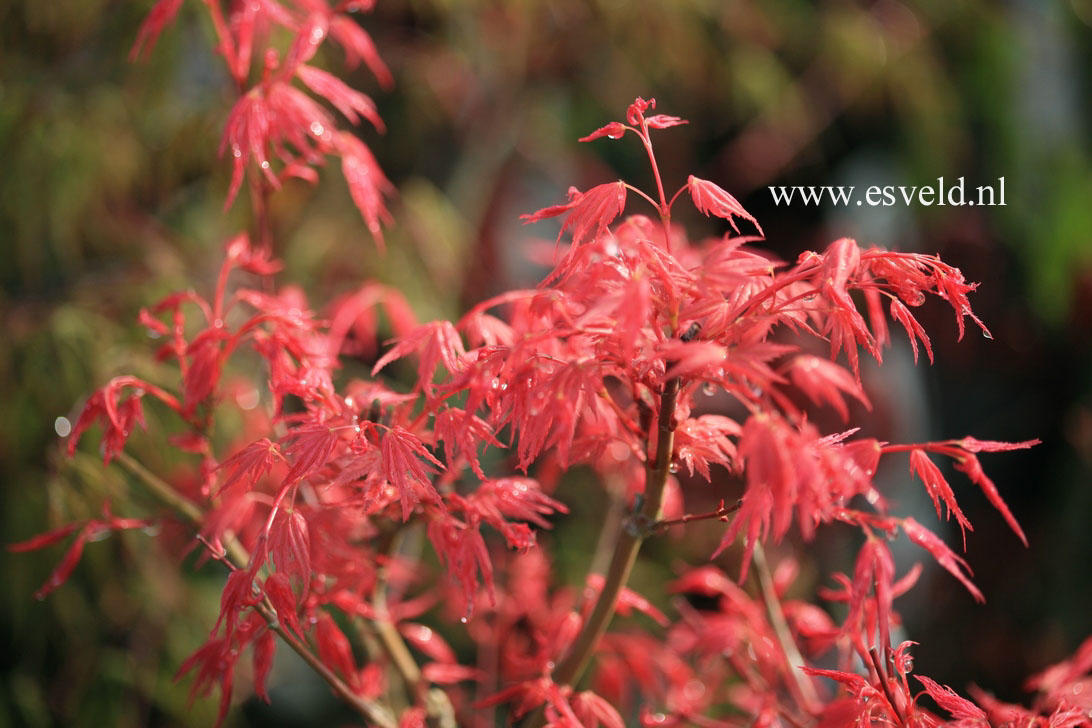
[{"x": 314, "y": 505}]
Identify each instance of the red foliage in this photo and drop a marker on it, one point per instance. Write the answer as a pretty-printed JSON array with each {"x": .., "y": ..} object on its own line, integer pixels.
[{"x": 599, "y": 366}]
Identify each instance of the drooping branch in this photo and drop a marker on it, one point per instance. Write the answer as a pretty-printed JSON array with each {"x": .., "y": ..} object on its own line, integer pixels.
[{"x": 237, "y": 556}]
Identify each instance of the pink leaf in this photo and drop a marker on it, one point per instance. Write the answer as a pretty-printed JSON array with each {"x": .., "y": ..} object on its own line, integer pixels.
[
  {"x": 403, "y": 468},
  {"x": 359, "y": 47},
  {"x": 367, "y": 184},
  {"x": 712, "y": 200},
  {"x": 350, "y": 102},
  {"x": 937, "y": 487},
  {"x": 160, "y": 16},
  {"x": 310, "y": 447},
  {"x": 427, "y": 641},
  {"x": 970, "y": 465},
  {"x": 613, "y": 130},
  {"x": 264, "y": 649},
  {"x": 589, "y": 213},
  {"x": 249, "y": 465},
  {"x": 44, "y": 539},
  {"x": 333, "y": 647},
  {"x": 663, "y": 121},
  {"x": 823, "y": 380},
  {"x": 960, "y": 708},
  {"x": 65, "y": 567},
  {"x": 929, "y": 541}
]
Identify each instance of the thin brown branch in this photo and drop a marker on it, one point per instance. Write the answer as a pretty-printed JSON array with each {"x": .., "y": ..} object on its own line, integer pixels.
[
  {"x": 237, "y": 556},
  {"x": 721, "y": 513},
  {"x": 631, "y": 535}
]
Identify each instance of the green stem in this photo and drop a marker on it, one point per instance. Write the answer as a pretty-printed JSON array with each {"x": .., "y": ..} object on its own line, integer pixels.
[{"x": 799, "y": 684}]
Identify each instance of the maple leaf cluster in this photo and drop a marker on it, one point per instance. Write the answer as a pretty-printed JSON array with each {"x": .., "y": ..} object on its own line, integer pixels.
[
  {"x": 277, "y": 131},
  {"x": 319, "y": 506}
]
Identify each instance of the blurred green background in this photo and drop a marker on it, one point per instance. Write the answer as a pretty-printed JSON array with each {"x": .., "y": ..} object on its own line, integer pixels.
[{"x": 111, "y": 196}]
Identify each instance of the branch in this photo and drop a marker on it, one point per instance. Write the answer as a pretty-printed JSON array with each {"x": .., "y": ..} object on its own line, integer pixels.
[
  {"x": 799, "y": 683},
  {"x": 630, "y": 537},
  {"x": 238, "y": 557},
  {"x": 721, "y": 514}
]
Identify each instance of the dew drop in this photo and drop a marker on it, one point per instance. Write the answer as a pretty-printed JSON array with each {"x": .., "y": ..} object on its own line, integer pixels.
[
  {"x": 317, "y": 34},
  {"x": 674, "y": 467},
  {"x": 236, "y": 151},
  {"x": 248, "y": 399},
  {"x": 463, "y": 619},
  {"x": 908, "y": 664},
  {"x": 694, "y": 689},
  {"x": 708, "y": 389},
  {"x": 62, "y": 426},
  {"x": 986, "y": 334},
  {"x": 265, "y": 164},
  {"x": 495, "y": 384},
  {"x": 317, "y": 129}
]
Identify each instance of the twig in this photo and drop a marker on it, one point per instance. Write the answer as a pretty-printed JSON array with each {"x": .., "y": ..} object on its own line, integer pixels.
[
  {"x": 721, "y": 513},
  {"x": 238, "y": 557},
  {"x": 438, "y": 707},
  {"x": 877, "y": 664},
  {"x": 608, "y": 535},
  {"x": 631, "y": 535},
  {"x": 799, "y": 683}
]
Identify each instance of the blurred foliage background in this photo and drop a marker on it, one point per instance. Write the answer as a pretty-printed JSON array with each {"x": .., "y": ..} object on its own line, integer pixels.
[{"x": 111, "y": 196}]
